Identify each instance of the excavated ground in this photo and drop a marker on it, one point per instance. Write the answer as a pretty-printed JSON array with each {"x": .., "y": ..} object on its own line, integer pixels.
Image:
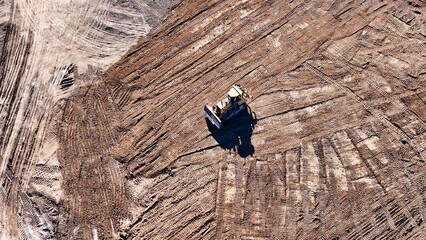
[
  {"x": 47, "y": 47},
  {"x": 333, "y": 146}
]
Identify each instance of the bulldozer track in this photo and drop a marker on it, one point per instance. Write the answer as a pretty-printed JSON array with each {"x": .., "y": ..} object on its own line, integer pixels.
[
  {"x": 104, "y": 140},
  {"x": 319, "y": 171},
  {"x": 45, "y": 47}
]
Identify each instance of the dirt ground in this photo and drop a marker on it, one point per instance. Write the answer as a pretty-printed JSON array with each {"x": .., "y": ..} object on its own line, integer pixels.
[
  {"x": 103, "y": 135},
  {"x": 45, "y": 46}
]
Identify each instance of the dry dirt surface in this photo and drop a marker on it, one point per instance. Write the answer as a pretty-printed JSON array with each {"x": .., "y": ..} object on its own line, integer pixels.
[
  {"x": 101, "y": 140},
  {"x": 45, "y": 46}
]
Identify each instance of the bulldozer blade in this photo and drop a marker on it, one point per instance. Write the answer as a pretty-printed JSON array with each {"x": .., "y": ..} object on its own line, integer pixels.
[{"x": 212, "y": 116}]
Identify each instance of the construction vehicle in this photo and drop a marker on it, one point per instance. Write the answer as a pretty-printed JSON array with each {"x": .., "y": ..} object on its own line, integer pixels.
[{"x": 229, "y": 106}]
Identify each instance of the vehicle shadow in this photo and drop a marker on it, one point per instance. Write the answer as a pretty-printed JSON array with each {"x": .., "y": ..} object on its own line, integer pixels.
[{"x": 236, "y": 133}]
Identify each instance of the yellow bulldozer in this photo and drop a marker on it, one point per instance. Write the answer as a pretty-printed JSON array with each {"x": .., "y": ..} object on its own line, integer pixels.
[{"x": 229, "y": 106}]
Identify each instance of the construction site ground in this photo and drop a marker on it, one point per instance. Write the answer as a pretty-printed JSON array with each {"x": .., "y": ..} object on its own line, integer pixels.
[{"x": 103, "y": 136}]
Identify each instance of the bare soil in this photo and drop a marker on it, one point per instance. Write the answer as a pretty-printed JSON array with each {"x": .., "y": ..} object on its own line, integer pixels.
[{"x": 112, "y": 143}]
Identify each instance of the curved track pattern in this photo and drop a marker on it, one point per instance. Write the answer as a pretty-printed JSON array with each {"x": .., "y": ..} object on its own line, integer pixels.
[
  {"x": 44, "y": 46},
  {"x": 339, "y": 105}
]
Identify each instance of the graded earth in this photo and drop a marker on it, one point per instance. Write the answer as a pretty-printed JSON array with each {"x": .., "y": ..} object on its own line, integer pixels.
[{"x": 103, "y": 134}]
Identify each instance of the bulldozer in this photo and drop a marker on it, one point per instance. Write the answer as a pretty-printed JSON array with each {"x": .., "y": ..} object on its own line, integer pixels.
[{"x": 229, "y": 106}]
